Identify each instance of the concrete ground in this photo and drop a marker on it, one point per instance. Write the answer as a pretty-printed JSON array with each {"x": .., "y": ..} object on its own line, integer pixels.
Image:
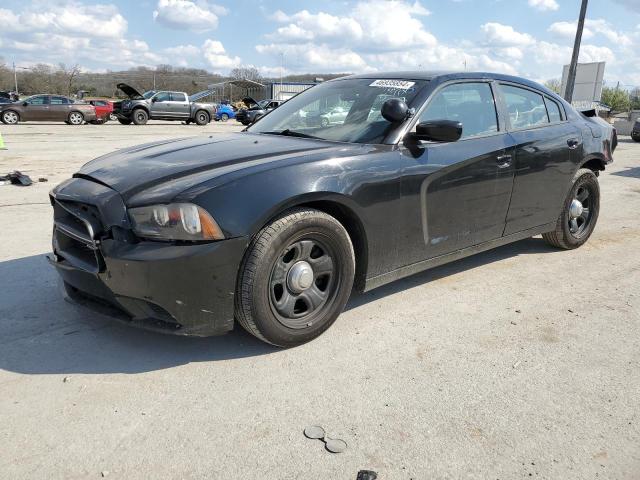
[{"x": 522, "y": 362}]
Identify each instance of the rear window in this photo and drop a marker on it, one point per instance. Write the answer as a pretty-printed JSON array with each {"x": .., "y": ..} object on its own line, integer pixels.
[
  {"x": 178, "y": 97},
  {"x": 554, "y": 110},
  {"x": 526, "y": 108}
]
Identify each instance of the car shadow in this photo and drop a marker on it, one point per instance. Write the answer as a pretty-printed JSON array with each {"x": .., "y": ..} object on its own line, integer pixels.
[
  {"x": 43, "y": 334},
  {"x": 528, "y": 246},
  {"x": 631, "y": 172}
]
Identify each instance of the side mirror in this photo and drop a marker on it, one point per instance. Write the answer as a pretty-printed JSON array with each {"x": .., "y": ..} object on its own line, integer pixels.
[
  {"x": 25, "y": 104},
  {"x": 154, "y": 100},
  {"x": 438, "y": 131},
  {"x": 394, "y": 110}
]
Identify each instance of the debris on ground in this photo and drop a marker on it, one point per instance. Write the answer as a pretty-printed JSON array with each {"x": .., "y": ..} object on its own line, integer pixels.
[
  {"x": 333, "y": 445},
  {"x": 367, "y": 475},
  {"x": 43, "y": 179},
  {"x": 16, "y": 178},
  {"x": 66, "y": 379},
  {"x": 104, "y": 473}
]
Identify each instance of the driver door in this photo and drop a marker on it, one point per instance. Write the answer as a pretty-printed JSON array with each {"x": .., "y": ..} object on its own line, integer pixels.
[
  {"x": 36, "y": 109},
  {"x": 161, "y": 105},
  {"x": 463, "y": 187}
]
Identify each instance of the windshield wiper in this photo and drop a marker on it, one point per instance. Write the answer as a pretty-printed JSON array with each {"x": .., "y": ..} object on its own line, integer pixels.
[{"x": 291, "y": 133}]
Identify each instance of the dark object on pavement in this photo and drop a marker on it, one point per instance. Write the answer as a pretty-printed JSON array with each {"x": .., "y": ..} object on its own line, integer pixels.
[
  {"x": 275, "y": 226},
  {"x": 333, "y": 445},
  {"x": 17, "y": 178},
  {"x": 367, "y": 475},
  {"x": 42, "y": 108},
  {"x": 635, "y": 132}
]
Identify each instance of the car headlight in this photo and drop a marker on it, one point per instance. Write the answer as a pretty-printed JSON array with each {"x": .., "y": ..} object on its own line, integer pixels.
[{"x": 177, "y": 221}]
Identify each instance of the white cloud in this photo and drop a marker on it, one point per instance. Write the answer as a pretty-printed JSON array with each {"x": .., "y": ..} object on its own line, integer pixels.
[
  {"x": 198, "y": 15},
  {"x": 592, "y": 28},
  {"x": 544, "y": 5},
  {"x": 501, "y": 35},
  {"x": 216, "y": 56}
]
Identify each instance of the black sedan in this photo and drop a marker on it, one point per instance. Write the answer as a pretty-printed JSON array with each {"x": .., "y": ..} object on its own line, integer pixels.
[{"x": 275, "y": 226}]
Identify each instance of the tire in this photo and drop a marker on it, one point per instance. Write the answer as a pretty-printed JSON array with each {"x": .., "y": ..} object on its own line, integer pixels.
[
  {"x": 75, "y": 118},
  {"x": 567, "y": 234},
  {"x": 202, "y": 117},
  {"x": 224, "y": 117},
  {"x": 324, "y": 122},
  {"x": 636, "y": 138},
  {"x": 245, "y": 123},
  {"x": 113, "y": 117},
  {"x": 10, "y": 117},
  {"x": 265, "y": 287},
  {"x": 140, "y": 116},
  {"x": 125, "y": 121}
]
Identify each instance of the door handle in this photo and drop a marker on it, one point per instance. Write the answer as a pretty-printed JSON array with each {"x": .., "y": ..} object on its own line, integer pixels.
[
  {"x": 573, "y": 143},
  {"x": 503, "y": 161}
]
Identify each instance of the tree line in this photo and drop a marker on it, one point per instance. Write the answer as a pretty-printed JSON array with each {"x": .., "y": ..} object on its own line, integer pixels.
[{"x": 68, "y": 80}]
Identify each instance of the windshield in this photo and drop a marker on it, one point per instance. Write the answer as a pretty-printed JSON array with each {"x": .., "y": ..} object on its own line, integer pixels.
[
  {"x": 149, "y": 94},
  {"x": 342, "y": 110}
]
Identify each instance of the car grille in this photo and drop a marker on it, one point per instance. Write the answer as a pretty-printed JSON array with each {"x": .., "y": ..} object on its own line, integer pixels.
[{"x": 76, "y": 231}]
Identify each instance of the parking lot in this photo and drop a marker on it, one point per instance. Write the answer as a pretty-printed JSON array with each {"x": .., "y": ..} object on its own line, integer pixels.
[{"x": 521, "y": 362}]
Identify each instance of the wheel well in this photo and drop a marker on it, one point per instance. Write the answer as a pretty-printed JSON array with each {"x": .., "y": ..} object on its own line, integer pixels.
[
  {"x": 354, "y": 228},
  {"x": 595, "y": 164},
  {"x": 140, "y": 107}
]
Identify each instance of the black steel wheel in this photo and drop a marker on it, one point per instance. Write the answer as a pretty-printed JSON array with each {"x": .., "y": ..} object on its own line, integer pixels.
[
  {"x": 579, "y": 213},
  {"x": 296, "y": 278},
  {"x": 140, "y": 116}
]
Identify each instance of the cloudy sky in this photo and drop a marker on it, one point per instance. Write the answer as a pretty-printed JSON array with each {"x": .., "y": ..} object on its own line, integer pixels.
[{"x": 527, "y": 37}]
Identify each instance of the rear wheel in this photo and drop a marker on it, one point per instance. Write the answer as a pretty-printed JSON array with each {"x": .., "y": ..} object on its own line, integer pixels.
[
  {"x": 224, "y": 117},
  {"x": 140, "y": 116},
  {"x": 579, "y": 212},
  {"x": 75, "y": 118},
  {"x": 202, "y": 117},
  {"x": 10, "y": 117},
  {"x": 296, "y": 278},
  {"x": 124, "y": 121}
]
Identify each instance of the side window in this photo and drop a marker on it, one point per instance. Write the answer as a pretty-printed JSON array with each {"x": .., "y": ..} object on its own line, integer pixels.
[
  {"x": 554, "y": 110},
  {"x": 162, "y": 97},
  {"x": 526, "y": 108},
  {"x": 59, "y": 101},
  {"x": 178, "y": 97},
  {"x": 470, "y": 103},
  {"x": 39, "y": 100}
]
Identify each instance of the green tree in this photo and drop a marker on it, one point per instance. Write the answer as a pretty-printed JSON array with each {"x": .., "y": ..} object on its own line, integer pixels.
[
  {"x": 553, "y": 84},
  {"x": 616, "y": 98}
]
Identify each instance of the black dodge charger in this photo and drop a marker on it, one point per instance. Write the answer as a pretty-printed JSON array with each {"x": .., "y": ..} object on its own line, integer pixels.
[{"x": 275, "y": 226}]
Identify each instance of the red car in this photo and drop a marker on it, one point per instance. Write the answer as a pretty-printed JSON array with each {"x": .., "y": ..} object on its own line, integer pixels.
[{"x": 104, "y": 109}]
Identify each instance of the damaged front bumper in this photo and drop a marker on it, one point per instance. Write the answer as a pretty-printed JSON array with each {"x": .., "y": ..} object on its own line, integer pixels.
[{"x": 183, "y": 289}]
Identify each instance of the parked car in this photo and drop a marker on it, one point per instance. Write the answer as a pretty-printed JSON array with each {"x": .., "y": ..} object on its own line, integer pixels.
[
  {"x": 332, "y": 116},
  {"x": 255, "y": 110},
  {"x": 635, "y": 131},
  {"x": 104, "y": 110},
  {"x": 275, "y": 226},
  {"x": 48, "y": 108},
  {"x": 152, "y": 105},
  {"x": 224, "y": 112}
]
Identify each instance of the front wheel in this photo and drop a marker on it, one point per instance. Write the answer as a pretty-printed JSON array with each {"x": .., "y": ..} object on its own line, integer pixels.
[
  {"x": 10, "y": 117},
  {"x": 579, "y": 212},
  {"x": 224, "y": 117},
  {"x": 140, "y": 116},
  {"x": 296, "y": 278}
]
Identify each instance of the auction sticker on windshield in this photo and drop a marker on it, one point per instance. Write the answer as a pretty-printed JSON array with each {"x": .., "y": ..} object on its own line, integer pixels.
[{"x": 400, "y": 84}]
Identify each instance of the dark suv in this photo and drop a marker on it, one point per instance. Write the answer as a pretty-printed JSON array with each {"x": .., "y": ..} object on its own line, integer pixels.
[{"x": 635, "y": 131}]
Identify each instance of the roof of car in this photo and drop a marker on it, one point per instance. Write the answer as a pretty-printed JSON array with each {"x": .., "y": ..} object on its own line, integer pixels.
[{"x": 446, "y": 75}]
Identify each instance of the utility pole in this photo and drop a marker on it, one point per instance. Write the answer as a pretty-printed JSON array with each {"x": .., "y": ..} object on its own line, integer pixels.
[
  {"x": 573, "y": 67},
  {"x": 15, "y": 77}
]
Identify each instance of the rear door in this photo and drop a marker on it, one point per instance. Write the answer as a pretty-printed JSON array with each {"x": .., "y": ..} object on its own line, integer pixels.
[
  {"x": 58, "y": 108},
  {"x": 544, "y": 142},
  {"x": 464, "y": 186},
  {"x": 36, "y": 109},
  {"x": 161, "y": 105},
  {"x": 180, "y": 107}
]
